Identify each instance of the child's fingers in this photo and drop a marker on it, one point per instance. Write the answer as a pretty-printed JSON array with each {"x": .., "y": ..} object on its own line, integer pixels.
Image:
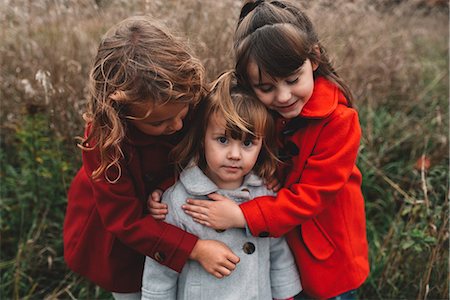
[
  {"x": 201, "y": 222},
  {"x": 229, "y": 265},
  {"x": 276, "y": 188},
  {"x": 233, "y": 258},
  {"x": 156, "y": 195},
  {"x": 195, "y": 211},
  {"x": 273, "y": 185},
  {"x": 217, "y": 274},
  {"x": 156, "y": 211},
  {"x": 198, "y": 203},
  {"x": 156, "y": 205},
  {"x": 154, "y": 201},
  {"x": 224, "y": 271}
]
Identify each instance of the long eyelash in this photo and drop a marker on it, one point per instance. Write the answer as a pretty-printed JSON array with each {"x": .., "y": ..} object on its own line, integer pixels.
[{"x": 292, "y": 81}]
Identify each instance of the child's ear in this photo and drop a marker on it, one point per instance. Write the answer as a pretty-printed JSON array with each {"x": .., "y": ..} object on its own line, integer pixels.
[
  {"x": 315, "y": 63},
  {"x": 314, "y": 66}
]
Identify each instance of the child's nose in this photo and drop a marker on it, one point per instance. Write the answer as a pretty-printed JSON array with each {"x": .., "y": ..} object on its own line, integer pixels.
[
  {"x": 284, "y": 94},
  {"x": 177, "y": 124},
  {"x": 234, "y": 151}
]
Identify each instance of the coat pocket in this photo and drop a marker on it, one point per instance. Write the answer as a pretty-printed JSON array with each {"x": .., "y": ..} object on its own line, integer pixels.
[{"x": 317, "y": 240}]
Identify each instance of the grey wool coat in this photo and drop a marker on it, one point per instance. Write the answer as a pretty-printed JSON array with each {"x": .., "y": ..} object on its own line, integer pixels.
[{"x": 266, "y": 269}]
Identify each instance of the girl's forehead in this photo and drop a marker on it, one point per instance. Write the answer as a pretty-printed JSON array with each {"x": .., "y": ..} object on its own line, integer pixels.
[
  {"x": 217, "y": 119},
  {"x": 257, "y": 74}
]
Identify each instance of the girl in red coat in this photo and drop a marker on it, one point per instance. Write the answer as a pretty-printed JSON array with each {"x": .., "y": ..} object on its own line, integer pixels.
[
  {"x": 320, "y": 208},
  {"x": 142, "y": 85}
]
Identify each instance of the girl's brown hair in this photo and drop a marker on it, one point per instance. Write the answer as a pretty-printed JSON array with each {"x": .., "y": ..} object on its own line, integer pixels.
[
  {"x": 245, "y": 117},
  {"x": 279, "y": 38},
  {"x": 137, "y": 61}
]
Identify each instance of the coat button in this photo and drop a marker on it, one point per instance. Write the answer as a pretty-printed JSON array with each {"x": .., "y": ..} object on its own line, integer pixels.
[
  {"x": 263, "y": 234},
  {"x": 159, "y": 256},
  {"x": 248, "y": 248}
]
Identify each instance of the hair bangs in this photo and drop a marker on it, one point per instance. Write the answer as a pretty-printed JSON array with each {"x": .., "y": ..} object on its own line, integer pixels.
[
  {"x": 278, "y": 51},
  {"x": 252, "y": 116}
]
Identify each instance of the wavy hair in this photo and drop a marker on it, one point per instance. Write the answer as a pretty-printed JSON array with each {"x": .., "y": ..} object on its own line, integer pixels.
[
  {"x": 137, "y": 61},
  {"x": 279, "y": 38},
  {"x": 245, "y": 117}
]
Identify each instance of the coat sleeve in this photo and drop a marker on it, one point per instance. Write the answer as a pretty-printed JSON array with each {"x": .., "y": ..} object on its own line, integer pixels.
[
  {"x": 326, "y": 171},
  {"x": 284, "y": 277},
  {"x": 158, "y": 281},
  {"x": 121, "y": 212}
]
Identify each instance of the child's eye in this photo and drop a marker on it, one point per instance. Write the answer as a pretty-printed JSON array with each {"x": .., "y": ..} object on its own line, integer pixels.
[
  {"x": 247, "y": 143},
  {"x": 222, "y": 140},
  {"x": 266, "y": 88},
  {"x": 156, "y": 124},
  {"x": 293, "y": 81}
]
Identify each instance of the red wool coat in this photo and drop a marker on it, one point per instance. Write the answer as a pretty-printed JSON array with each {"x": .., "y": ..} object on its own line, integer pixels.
[
  {"x": 106, "y": 233},
  {"x": 321, "y": 207}
]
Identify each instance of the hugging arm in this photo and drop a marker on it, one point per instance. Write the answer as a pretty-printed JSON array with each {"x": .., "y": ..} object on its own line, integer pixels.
[
  {"x": 328, "y": 169},
  {"x": 222, "y": 213},
  {"x": 214, "y": 256}
]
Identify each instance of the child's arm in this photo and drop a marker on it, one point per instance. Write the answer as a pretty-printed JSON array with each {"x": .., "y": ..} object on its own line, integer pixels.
[
  {"x": 314, "y": 187},
  {"x": 121, "y": 213},
  {"x": 327, "y": 170}
]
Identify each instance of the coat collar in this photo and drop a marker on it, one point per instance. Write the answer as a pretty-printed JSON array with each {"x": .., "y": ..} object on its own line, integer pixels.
[
  {"x": 324, "y": 100},
  {"x": 198, "y": 184}
]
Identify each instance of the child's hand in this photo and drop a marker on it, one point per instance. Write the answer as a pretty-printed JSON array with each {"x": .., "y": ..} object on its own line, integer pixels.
[
  {"x": 215, "y": 257},
  {"x": 222, "y": 213},
  {"x": 157, "y": 209},
  {"x": 274, "y": 184}
]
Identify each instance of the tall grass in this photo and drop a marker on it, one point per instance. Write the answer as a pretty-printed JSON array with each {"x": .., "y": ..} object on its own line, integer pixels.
[{"x": 394, "y": 54}]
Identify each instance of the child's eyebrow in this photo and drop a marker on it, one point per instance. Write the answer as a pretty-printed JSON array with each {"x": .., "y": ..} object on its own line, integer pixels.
[{"x": 259, "y": 84}]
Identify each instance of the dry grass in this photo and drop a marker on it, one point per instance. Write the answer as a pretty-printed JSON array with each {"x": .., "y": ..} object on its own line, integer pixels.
[{"x": 394, "y": 54}]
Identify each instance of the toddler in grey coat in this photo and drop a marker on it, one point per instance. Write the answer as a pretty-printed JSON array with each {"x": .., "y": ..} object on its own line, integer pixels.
[
  {"x": 266, "y": 270},
  {"x": 227, "y": 151}
]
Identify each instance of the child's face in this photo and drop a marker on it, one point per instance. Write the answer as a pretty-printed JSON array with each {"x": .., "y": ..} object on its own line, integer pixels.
[
  {"x": 286, "y": 95},
  {"x": 163, "y": 120},
  {"x": 228, "y": 160}
]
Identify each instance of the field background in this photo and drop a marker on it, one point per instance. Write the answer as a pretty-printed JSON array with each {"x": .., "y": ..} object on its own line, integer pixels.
[{"x": 394, "y": 54}]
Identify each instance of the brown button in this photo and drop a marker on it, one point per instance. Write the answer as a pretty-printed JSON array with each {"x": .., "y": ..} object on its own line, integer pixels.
[
  {"x": 220, "y": 230},
  {"x": 264, "y": 234},
  {"x": 248, "y": 248},
  {"x": 246, "y": 190},
  {"x": 159, "y": 256}
]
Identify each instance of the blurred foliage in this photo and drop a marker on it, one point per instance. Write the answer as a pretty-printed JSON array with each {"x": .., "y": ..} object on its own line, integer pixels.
[{"x": 394, "y": 54}]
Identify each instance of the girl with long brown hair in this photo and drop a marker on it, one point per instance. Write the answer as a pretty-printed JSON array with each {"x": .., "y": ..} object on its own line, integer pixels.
[
  {"x": 143, "y": 83},
  {"x": 320, "y": 208}
]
